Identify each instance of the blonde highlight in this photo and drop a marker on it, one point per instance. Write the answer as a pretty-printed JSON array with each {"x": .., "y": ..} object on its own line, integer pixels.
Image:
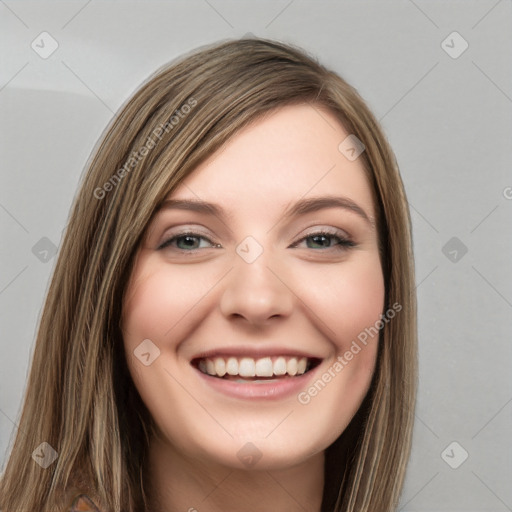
[{"x": 79, "y": 390}]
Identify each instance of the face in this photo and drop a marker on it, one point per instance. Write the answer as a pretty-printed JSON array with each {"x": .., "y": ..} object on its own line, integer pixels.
[{"x": 241, "y": 319}]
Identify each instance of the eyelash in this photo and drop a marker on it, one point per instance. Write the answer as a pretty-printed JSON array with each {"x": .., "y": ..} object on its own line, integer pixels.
[{"x": 343, "y": 244}]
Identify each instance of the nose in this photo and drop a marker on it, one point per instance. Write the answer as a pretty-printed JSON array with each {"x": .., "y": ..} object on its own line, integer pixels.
[{"x": 256, "y": 292}]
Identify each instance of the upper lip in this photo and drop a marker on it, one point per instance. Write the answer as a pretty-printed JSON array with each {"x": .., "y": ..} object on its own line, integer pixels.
[{"x": 254, "y": 352}]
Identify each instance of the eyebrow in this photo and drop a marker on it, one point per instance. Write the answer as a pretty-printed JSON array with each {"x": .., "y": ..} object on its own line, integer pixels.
[{"x": 301, "y": 207}]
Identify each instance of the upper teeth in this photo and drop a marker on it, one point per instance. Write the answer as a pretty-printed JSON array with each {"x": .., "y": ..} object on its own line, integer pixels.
[{"x": 249, "y": 367}]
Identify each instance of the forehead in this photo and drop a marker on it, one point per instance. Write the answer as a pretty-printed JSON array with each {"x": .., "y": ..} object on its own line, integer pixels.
[{"x": 290, "y": 154}]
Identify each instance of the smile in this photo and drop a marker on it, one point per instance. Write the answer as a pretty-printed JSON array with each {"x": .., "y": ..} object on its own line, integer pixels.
[
  {"x": 251, "y": 368},
  {"x": 261, "y": 377}
]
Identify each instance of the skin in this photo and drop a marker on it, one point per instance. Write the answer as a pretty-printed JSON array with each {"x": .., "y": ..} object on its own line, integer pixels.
[{"x": 316, "y": 296}]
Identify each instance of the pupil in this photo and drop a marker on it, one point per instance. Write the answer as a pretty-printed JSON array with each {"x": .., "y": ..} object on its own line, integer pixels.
[
  {"x": 325, "y": 238},
  {"x": 190, "y": 240}
]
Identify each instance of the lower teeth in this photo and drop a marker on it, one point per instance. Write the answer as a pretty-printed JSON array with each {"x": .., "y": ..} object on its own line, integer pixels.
[
  {"x": 244, "y": 381},
  {"x": 237, "y": 378}
]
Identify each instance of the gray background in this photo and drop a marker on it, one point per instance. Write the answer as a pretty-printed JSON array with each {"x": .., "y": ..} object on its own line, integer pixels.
[{"x": 448, "y": 119}]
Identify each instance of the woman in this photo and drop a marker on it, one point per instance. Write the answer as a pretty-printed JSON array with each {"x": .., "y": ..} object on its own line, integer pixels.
[{"x": 231, "y": 323}]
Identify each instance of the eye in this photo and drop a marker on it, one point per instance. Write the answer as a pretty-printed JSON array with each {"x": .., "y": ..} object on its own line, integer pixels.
[
  {"x": 322, "y": 239},
  {"x": 189, "y": 242}
]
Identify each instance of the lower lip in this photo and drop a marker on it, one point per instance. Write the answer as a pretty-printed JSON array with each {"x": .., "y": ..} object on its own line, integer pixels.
[{"x": 272, "y": 390}]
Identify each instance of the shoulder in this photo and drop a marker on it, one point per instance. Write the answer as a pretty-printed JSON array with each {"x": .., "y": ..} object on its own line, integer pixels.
[{"x": 83, "y": 503}]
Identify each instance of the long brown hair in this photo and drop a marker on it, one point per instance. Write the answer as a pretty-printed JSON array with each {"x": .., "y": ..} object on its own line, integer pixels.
[{"x": 80, "y": 398}]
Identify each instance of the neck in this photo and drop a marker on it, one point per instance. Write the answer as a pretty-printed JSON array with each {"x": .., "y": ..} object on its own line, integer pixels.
[{"x": 179, "y": 483}]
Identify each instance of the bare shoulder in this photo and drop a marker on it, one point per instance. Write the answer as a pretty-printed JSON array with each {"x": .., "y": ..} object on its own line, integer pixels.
[{"x": 83, "y": 503}]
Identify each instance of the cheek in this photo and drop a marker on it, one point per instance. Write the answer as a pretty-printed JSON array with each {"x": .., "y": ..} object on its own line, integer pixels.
[
  {"x": 346, "y": 299},
  {"x": 164, "y": 306},
  {"x": 159, "y": 305},
  {"x": 349, "y": 306}
]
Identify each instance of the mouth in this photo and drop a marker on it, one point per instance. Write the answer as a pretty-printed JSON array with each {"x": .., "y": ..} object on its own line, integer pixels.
[{"x": 245, "y": 369}]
